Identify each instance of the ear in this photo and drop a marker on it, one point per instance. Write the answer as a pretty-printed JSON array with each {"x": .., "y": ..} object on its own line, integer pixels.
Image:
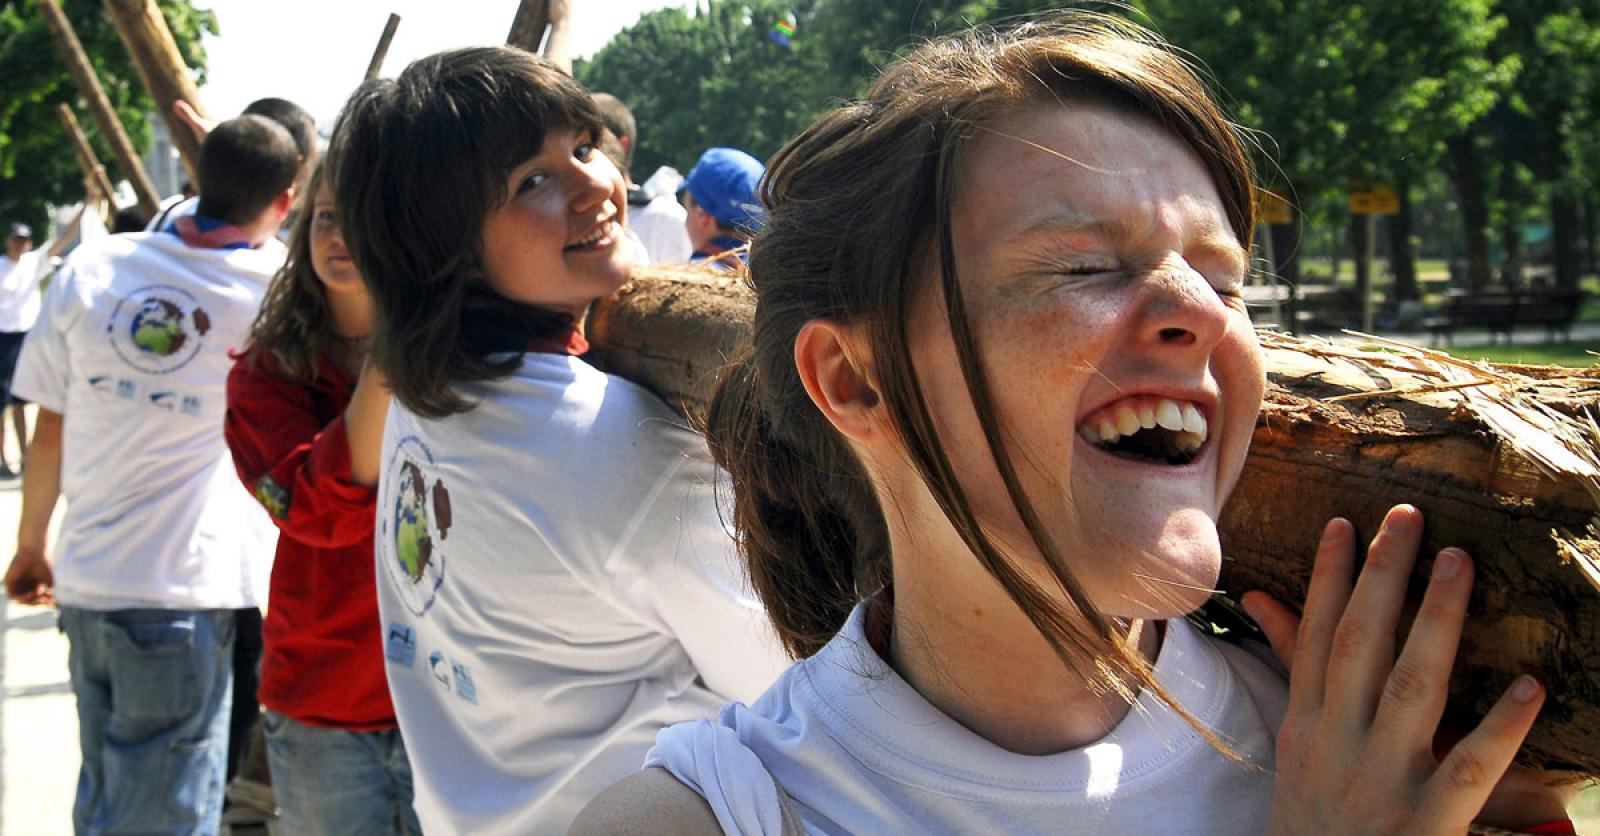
[
  {"x": 284, "y": 202},
  {"x": 830, "y": 358}
]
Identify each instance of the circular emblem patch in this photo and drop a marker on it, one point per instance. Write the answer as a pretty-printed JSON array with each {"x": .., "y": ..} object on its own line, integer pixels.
[
  {"x": 158, "y": 329},
  {"x": 414, "y": 520}
]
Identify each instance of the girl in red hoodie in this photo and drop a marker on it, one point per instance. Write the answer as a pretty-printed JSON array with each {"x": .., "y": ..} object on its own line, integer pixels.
[{"x": 305, "y": 424}]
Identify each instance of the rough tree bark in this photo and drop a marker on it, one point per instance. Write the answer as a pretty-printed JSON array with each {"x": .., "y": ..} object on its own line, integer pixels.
[
  {"x": 160, "y": 65},
  {"x": 1536, "y": 607}
]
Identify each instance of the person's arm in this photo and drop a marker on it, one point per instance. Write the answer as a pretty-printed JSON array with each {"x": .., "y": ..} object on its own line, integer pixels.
[
  {"x": 59, "y": 245},
  {"x": 294, "y": 463},
  {"x": 363, "y": 424},
  {"x": 649, "y": 801},
  {"x": 29, "y": 579},
  {"x": 198, "y": 125}
]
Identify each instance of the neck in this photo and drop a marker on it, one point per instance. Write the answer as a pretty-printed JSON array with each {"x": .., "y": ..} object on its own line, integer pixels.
[
  {"x": 352, "y": 314},
  {"x": 978, "y": 658}
]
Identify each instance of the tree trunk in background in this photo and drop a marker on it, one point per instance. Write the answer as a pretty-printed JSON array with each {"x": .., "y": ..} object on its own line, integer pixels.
[
  {"x": 1466, "y": 174},
  {"x": 1591, "y": 231},
  {"x": 1358, "y": 250},
  {"x": 1564, "y": 231},
  {"x": 1402, "y": 255},
  {"x": 1286, "y": 250}
]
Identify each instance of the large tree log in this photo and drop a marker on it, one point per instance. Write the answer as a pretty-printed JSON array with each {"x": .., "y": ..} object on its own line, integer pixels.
[
  {"x": 160, "y": 65},
  {"x": 94, "y": 174},
  {"x": 382, "y": 51},
  {"x": 105, "y": 116},
  {"x": 1494, "y": 456},
  {"x": 527, "y": 27}
]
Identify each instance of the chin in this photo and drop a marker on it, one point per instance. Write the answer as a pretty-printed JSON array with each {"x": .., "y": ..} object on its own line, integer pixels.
[{"x": 1172, "y": 573}]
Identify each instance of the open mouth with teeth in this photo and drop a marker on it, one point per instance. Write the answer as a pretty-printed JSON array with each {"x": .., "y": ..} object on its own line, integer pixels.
[
  {"x": 1147, "y": 429},
  {"x": 599, "y": 234}
]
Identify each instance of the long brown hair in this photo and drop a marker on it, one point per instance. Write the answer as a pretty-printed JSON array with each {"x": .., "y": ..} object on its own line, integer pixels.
[
  {"x": 295, "y": 325},
  {"x": 859, "y": 208}
]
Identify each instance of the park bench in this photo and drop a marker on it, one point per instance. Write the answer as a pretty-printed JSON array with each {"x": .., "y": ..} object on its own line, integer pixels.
[{"x": 1500, "y": 311}]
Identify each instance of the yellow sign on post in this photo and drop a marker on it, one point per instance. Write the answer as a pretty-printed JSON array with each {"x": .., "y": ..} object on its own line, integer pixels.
[
  {"x": 1378, "y": 200},
  {"x": 1272, "y": 208}
]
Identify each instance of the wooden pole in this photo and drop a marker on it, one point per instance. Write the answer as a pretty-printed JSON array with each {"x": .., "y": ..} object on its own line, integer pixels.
[
  {"x": 1327, "y": 443},
  {"x": 527, "y": 28},
  {"x": 382, "y": 51},
  {"x": 100, "y": 107},
  {"x": 155, "y": 55},
  {"x": 93, "y": 171}
]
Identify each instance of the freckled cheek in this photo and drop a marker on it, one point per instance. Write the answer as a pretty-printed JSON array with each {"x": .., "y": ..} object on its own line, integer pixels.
[{"x": 1047, "y": 347}]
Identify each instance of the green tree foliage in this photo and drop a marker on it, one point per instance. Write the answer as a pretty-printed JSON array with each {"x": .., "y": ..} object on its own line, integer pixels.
[
  {"x": 37, "y": 164},
  {"x": 711, "y": 76},
  {"x": 698, "y": 79},
  {"x": 1345, "y": 91}
]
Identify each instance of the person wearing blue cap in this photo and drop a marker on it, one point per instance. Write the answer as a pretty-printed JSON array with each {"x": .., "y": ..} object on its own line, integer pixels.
[{"x": 724, "y": 209}]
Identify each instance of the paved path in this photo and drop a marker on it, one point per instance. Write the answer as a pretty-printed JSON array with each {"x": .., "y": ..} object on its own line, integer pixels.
[{"x": 38, "y": 721}]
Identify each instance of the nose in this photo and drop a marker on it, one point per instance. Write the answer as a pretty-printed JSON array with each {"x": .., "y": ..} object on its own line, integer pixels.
[
  {"x": 592, "y": 184},
  {"x": 1182, "y": 309}
]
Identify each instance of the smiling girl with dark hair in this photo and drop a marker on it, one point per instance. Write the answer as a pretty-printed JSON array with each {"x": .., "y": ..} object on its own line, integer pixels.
[{"x": 554, "y": 579}]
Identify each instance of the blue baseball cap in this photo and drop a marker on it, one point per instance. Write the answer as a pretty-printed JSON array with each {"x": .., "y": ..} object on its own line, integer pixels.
[{"x": 723, "y": 182}]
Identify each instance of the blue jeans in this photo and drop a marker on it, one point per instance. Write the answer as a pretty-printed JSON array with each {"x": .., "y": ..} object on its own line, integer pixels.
[
  {"x": 331, "y": 782},
  {"x": 154, "y": 689}
]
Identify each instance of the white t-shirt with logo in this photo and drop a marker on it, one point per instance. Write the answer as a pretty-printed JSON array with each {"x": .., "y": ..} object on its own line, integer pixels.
[
  {"x": 19, "y": 290},
  {"x": 132, "y": 349},
  {"x": 858, "y": 750},
  {"x": 556, "y": 587}
]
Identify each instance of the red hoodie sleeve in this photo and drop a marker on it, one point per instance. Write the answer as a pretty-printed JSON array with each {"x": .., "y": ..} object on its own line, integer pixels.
[{"x": 294, "y": 461}]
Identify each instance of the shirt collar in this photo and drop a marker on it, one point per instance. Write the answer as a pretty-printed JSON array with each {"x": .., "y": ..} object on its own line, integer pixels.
[{"x": 206, "y": 233}]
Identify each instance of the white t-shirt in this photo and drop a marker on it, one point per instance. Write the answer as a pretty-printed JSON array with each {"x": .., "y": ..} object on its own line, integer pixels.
[
  {"x": 860, "y": 751},
  {"x": 132, "y": 349},
  {"x": 659, "y": 225},
  {"x": 556, "y": 586},
  {"x": 19, "y": 290}
]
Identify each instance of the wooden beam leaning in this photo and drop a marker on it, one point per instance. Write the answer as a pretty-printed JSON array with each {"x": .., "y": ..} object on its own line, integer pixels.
[
  {"x": 100, "y": 107},
  {"x": 1502, "y": 461},
  {"x": 376, "y": 64},
  {"x": 93, "y": 171},
  {"x": 527, "y": 28},
  {"x": 161, "y": 67}
]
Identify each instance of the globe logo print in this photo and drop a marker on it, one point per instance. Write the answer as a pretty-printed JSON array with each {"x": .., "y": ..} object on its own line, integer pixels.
[
  {"x": 413, "y": 526},
  {"x": 413, "y": 544},
  {"x": 157, "y": 327}
]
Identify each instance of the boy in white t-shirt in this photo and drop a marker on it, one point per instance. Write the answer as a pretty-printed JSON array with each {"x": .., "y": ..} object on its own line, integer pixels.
[{"x": 159, "y": 544}]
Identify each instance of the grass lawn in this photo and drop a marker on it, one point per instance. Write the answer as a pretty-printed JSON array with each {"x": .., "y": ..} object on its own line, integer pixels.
[{"x": 1575, "y": 353}]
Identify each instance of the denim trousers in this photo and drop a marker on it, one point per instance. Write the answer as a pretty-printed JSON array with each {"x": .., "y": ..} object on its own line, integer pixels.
[
  {"x": 154, "y": 689},
  {"x": 332, "y": 782}
]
